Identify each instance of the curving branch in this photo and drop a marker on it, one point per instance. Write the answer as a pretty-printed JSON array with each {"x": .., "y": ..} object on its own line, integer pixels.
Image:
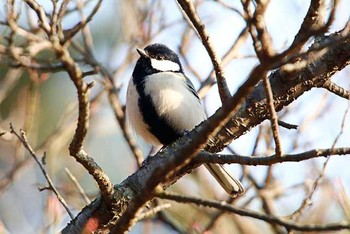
[{"x": 76, "y": 147}]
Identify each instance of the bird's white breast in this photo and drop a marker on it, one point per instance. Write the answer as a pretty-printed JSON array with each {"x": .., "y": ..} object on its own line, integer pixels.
[{"x": 134, "y": 115}]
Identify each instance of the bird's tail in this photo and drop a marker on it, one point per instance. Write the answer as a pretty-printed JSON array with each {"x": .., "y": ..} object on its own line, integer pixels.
[{"x": 228, "y": 182}]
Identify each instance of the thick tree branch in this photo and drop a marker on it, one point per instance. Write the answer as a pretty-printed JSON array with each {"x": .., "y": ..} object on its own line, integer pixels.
[
  {"x": 286, "y": 89},
  {"x": 164, "y": 168}
]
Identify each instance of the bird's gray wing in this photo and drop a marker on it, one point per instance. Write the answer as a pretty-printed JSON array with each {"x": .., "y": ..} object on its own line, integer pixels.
[{"x": 191, "y": 87}]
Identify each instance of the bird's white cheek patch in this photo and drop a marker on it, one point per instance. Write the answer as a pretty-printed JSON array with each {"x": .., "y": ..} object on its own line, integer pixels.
[{"x": 164, "y": 65}]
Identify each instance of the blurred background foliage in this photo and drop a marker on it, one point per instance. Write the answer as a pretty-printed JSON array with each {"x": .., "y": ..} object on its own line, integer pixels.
[{"x": 44, "y": 104}]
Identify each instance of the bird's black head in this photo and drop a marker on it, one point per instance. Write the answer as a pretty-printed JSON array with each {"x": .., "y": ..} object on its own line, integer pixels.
[
  {"x": 156, "y": 58},
  {"x": 161, "y": 52}
]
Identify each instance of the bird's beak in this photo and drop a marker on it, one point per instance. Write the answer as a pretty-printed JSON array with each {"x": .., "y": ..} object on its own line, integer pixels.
[{"x": 142, "y": 53}]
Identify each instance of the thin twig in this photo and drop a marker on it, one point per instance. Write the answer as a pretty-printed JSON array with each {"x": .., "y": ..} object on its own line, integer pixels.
[
  {"x": 336, "y": 89},
  {"x": 60, "y": 15},
  {"x": 273, "y": 116},
  {"x": 224, "y": 4},
  {"x": 73, "y": 31},
  {"x": 153, "y": 211},
  {"x": 287, "y": 125},
  {"x": 214, "y": 219},
  {"x": 314, "y": 23},
  {"x": 206, "y": 157},
  {"x": 190, "y": 11},
  {"x": 262, "y": 41},
  {"x": 87, "y": 38},
  {"x": 253, "y": 214},
  {"x": 307, "y": 201},
  {"x": 23, "y": 139},
  {"x": 77, "y": 185},
  {"x": 264, "y": 38},
  {"x": 54, "y": 18},
  {"x": 229, "y": 56},
  {"x": 39, "y": 10}
]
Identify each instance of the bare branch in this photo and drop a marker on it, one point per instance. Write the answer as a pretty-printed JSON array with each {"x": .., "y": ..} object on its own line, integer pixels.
[
  {"x": 54, "y": 18},
  {"x": 114, "y": 101},
  {"x": 153, "y": 211},
  {"x": 304, "y": 79},
  {"x": 77, "y": 185},
  {"x": 258, "y": 31},
  {"x": 76, "y": 146},
  {"x": 69, "y": 34},
  {"x": 229, "y": 55},
  {"x": 287, "y": 125},
  {"x": 40, "y": 12},
  {"x": 314, "y": 23},
  {"x": 23, "y": 139},
  {"x": 307, "y": 200},
  {"x": 273, "y": 116},
  {"x": 217, "y": 215},
  {"x": 206, "y": 157},
  {"x": 336, "y": 89},
  {"x": 289, "y": 225},
  {"x": 190, "y": 11},
  {"x": 60, "y": 15}
]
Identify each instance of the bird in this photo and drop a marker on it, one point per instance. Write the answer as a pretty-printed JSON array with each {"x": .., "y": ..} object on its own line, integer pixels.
[{"x": 162, "y": 104}]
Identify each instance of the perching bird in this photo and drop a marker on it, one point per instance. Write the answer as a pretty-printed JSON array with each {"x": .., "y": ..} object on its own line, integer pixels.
[{"x": 162, "y": 103}]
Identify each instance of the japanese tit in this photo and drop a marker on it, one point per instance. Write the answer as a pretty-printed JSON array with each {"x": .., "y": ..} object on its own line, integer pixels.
[{"x": 162, "y": 103}]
